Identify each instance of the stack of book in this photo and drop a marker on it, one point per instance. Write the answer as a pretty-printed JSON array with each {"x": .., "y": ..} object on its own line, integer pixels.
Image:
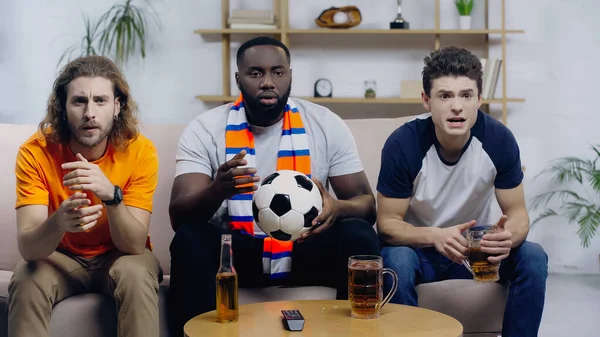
[
  {"x": 251, "y": 19},
  {"x": 491, "y": 73}
]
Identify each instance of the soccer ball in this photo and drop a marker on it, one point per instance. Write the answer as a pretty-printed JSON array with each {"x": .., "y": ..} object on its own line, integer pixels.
[{"x": 285, "y": 204}]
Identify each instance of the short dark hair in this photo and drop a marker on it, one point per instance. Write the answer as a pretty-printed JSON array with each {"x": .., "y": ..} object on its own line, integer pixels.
[
  {"x": 261, "y": 41},
  {"x": 451, "y": 61}
]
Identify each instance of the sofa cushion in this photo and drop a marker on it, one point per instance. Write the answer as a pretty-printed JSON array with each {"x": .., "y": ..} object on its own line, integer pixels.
[
  {"x": 478, "y": 306},
  {"x": 4, "y": 280},
  {"x": 11, "y": 138}
]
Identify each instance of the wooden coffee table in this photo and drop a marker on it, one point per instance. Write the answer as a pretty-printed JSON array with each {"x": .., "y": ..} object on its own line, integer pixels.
[{"x": 326, "y": 318}]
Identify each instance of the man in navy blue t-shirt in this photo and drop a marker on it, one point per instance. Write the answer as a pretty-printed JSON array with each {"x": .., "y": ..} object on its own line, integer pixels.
[{"x": 439, "y": 175}]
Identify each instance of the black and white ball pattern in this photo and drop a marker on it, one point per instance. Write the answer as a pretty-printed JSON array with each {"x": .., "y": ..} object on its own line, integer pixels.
[{"x": 285, "y": 204}]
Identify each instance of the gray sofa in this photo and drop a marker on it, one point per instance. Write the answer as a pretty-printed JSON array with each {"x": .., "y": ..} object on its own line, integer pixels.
[{"x": 479, "y": 307}]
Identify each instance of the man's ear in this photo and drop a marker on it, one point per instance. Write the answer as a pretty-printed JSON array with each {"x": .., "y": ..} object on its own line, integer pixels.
[
  {"x": 425, "y": 100},
  {"x": 237, "y": 79},
  {"x": 117, "y": 107}
]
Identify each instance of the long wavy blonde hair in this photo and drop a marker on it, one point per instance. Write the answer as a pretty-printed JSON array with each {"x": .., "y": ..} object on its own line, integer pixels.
[{"x": 55, "y": 125}]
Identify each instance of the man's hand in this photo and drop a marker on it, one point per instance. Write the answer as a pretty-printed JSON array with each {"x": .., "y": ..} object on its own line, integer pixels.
[
  {"x": 232, "y": 180},
  {"x": 328, "y": 214},
  {"x": 498, "y": 243},
  {"x": 73, "y": 215},
  {"x": 89, "y": 177},
  {"x": 450, "y": 242}
]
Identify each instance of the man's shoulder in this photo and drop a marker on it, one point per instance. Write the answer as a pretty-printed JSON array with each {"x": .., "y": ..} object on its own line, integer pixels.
[
  {"x": 36, "y": 143},
  {"x": 416, "y": 134},
  {"x": 315, "y": 112},
  {"x": 213, "y": 120},
  {"x": 141, "y": 143},
  {"x": 488, "y": 128},
  {"x": 492, "y": 133}
]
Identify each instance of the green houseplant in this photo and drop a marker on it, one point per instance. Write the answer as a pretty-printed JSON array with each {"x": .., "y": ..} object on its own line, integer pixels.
[
  {"x": 464, "y": 8},
  {"x": 118, "y": 33},
  {"x": 579, "y": 205},
  {"x": 87, "y": 46}
]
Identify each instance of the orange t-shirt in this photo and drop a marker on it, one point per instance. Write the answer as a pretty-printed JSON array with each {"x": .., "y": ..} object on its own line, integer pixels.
[{"x": 40, "y": 176}]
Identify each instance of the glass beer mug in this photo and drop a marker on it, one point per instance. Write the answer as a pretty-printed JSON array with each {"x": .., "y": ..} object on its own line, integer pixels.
[
  {"x": 365, "y": 285},
  {"x": 478, "y": 264}
]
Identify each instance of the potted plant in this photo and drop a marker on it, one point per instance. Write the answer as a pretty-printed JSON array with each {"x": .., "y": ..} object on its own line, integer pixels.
[
  {"x": 581, "y": 205},
  {"x": 87, "y": 46},
  {"x": 118, "y": 33},
  {"x": 464, "y": 10}
]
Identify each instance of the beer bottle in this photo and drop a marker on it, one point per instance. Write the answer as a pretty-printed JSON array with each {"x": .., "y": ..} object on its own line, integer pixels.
[{"x": 227, "y": 284}]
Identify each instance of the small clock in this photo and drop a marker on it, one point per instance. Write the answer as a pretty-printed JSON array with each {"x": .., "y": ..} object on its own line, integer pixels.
[{"x": 323, "y": 88}]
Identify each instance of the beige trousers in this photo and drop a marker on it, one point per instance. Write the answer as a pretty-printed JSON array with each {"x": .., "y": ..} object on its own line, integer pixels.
[{"x": 132, "y": 280}]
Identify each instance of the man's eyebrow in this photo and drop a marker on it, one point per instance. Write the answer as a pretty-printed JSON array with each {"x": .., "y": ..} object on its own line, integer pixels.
[
  {"x": 81, "y": 96},
  {"x": 444, "y": 91},
  {"x": 278, "y": 66}
]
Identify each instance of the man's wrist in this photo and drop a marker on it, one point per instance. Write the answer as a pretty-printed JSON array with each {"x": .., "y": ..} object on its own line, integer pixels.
[
  {"x": 431, "y": 236},
  {"x": 215, "y": 194},
  {"x": 116, "y": 198},
  {"x": 338, "y": 207}
]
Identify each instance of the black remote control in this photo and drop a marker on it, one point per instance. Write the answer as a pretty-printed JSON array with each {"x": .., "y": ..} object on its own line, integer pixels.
[{"x": 293, "y": 320}]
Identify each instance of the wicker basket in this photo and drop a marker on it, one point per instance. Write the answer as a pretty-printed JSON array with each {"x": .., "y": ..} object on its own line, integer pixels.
[{"x": 325, "y": 19}]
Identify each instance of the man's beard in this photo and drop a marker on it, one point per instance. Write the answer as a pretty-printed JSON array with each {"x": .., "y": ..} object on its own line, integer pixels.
[
  {"x": 260, "y": 114},
  {"x": 89, "y": 142}
]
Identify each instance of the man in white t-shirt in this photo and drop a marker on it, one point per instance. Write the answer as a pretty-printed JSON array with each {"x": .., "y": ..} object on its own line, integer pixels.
[
  {"x": 226, "y": 151},
  {"x": 438, "y": 177}
]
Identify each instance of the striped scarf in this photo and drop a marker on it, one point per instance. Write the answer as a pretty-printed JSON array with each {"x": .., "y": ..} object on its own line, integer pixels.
[{"x": 293, "y": 155}]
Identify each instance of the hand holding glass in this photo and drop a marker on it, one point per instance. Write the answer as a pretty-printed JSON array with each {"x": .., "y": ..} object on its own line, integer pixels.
[{"x": 478, "y": 264}]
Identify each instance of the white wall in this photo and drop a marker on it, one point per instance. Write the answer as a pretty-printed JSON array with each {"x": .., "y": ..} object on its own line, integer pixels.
[{"x": 552, "y": 65}]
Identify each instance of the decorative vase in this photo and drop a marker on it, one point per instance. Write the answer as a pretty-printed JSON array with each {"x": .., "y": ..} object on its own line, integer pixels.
[{"x": 464, "y": 22}]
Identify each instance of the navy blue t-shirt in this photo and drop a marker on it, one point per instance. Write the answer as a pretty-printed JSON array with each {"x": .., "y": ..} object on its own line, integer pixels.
[{"x": 445, "y": 194}]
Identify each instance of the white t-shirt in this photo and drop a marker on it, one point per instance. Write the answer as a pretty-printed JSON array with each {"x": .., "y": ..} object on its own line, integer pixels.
[
  {"x": 445, "y": 194},
  {"x": 332, "y": 147}
]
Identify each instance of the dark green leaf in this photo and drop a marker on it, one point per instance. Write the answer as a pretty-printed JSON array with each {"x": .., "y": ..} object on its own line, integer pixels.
[{"x": 547, "y": 213}]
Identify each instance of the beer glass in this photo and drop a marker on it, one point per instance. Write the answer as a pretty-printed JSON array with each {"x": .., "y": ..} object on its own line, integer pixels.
[
  {"x": 478, "y": 264},
  {"x": 365, "y": 285}
]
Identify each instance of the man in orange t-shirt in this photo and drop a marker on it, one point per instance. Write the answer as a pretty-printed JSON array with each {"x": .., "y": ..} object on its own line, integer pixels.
[{"x": 85, "y": 184}]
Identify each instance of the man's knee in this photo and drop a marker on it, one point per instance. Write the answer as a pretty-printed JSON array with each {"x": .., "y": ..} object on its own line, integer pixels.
[
  {"x": 357, "y": 229},
  {"x": 403, "y": 260},
  {"x": 30, "y": 279},
  {"x": 189, "y": 239},
  {"x": 358, "y": 236},
  {"x": 534, "y": 260},
  {"x": 136, "y": 273}
]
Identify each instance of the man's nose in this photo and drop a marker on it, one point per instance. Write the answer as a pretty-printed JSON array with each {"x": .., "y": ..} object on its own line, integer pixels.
[
  {"x": 456, "y": 105},
  {"x": 90, "y": 111},
  {"x": 267, "y": 82}
]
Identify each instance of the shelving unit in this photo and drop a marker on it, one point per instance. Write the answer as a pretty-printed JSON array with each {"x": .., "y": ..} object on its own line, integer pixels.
[{"x": 284, "y": 32}]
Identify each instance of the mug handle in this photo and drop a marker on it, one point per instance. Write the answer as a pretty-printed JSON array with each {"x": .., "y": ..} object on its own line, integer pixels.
[
  {"x": 468, "y": 265},
  {"x": 394, "y": 286}
]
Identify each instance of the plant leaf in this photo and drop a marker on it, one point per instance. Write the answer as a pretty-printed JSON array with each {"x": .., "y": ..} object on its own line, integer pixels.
[
  {"x": 546, "y": 214},
  {"x": 588, "y": 224},
  {"x": 567, "y": 169},
  {"x": 573, "y": 209},
  {"x": 544, "y": 198}
]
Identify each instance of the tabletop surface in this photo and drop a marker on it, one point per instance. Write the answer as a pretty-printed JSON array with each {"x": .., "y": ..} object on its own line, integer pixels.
[{"x": 326, "y": 318}]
